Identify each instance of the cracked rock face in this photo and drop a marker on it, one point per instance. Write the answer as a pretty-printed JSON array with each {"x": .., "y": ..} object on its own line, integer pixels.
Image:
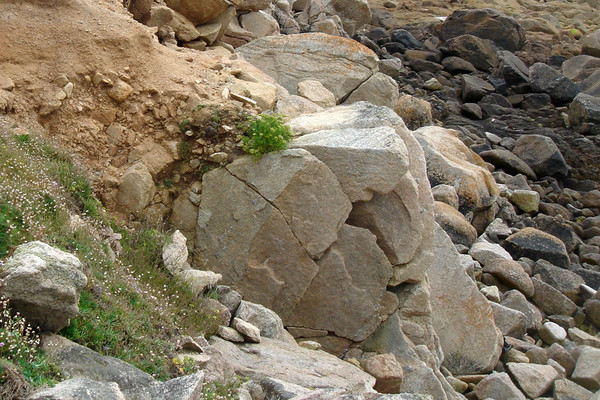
[{"x": 319, "y": 231}]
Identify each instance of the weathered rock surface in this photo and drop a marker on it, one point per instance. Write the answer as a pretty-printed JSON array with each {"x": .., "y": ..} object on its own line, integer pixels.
[
  {"x": 450, "y": 162},
  {"x": 382, "y": 147},
  {"x": 587, "y": 369},
  {"x": 353, "y": 268},
  {"x": 510, "y": 273},
  {"x": 294, "y": 364},
  {"x": 136, "y": 189},
  {"x": 458, "y": 309},
  {"x": 533, "y": 243},
  {"x": 541, "y": 154},
  {"x": 198, "y": 12},
  {"x": 363, "y": 115},
  {"x": 534, "y": 379},
  {"x": 504, "y": 31},
  {"x": 294, "y": 58},
  {"x": 379, "y": 89},
  {"x": 498, "y": 386},
  {"x": 454, "y": 224},
  {"x": 80, "y": 389},
  {"x": 545, "y": 79},
  {"x": 43, "y": 283},
  {"x": 584, "y": 114}
]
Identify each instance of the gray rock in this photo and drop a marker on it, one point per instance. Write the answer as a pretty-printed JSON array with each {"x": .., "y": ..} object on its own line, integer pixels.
[
  {"x": 455, "y": 301},
  {"x": 229, "y": 298},
  {"x": 590, "y": 44},
  {"x": 175, "y": 254},
  {"x": 517, "y": 301},
  {"x": 545, "y": 79},
  {"x": 512, "y": 69},
  {"x": 565, "y": 389},
  {"x": 80, "y": 389},
  {"x": 292, "y": 363},
  {"x": 507, "y": 161},
  {"x": 587, "y": 369},
  {"x": 510, "y": 322},
  {"x": 591, "y": 84},
  {"x": 583, "y": 338},
  {"x": 260, "y": 23},
  {"x": 474, "y": 88},
  {"x": 550, "y": 300},
  {"x": 584, "y": 114},
  {"x": 566, "y": 281},
  {"x": 379, "y": 89},
  {"x": 479, "y": 52},
  {"x": 290, "y": 59},
  {"x": 230, "y": 334},
  {"x": 533, "y": 243},
  {"x": 446, "y": 194},
  {"x": 486, "y": 252},
  {"x": 562, "y": 356},
  {"x": 450, "y": 162},
  {"x": 552, "y": 333},
  {"x": 541, "y": 154},
  {"x": 353, "y": 268},
  {"x": 490, "y": 24},
  {"x": 580, "y": 67},
  {"x": 267, "y": 321},
  {"x": 345, "y": 152},
  {"x": 249, "y": 331},
  {"x": 317, "y": 93},
  {"x": 510, "y": 273},
  {"x": 498, "y": 386},
  {"x": 43, "y": 283},
  {"x": 534, "y": 379}
]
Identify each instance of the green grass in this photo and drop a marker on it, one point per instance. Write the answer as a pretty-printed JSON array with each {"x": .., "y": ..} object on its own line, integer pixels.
[
  {"x": 264, "y": 134},
  {"x": 132, "y": 308}
]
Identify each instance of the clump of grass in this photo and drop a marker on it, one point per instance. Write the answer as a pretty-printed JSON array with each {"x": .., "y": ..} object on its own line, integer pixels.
[
  {"x": 264, "y": 134},
  {"x": 132, "y": 308},
  {"x": 23, "y": 364},
  {"x": 222, "y": 390}
]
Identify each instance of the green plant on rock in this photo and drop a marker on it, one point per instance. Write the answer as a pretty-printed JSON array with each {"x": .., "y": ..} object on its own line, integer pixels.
[
  {"x": 184, "y": 150},
  {"x": 264, "y": 134}
]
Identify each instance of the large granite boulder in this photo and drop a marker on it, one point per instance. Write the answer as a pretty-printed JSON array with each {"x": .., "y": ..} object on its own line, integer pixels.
[
  {"x": 450, "y": 162},
  {"x": 353, "y": 13},
  {"x": 458, "y": 310},
  {"x": 294, "y": 58},
  {"x": 279, "y": 237},
  {"x": 379, "y": 89},
  {"x": 504, "y": 31},
  {"x": 408, "y": 231},
  {"x": 42, "y": 283},
  {"x": 280, "y": 213}
]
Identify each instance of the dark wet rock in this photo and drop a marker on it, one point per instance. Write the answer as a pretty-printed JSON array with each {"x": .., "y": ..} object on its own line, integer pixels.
[
  {"x": 507, "y": 161},
  {"x": 541, "y": 154},
  {"x": 456, "y": 65},
  {"x": 479, "y": 52},
  {"x": 473, "y": 111},
  {"x": 405, "y": 38},
  {"x": 536, "y": 101},
  {"x": 580, "y": 67},
  {"x": 504, "y": 31},
  {"x": 533, "y": 243},
  {"x": 567, "y": 282},
  {"x": 559, "y": 228},
  {"x": 512, "y": 69},
  {"x": 545, "y": 79},
  {"x": 584, "y": 114},
  {"x": 474, "y": 88}
]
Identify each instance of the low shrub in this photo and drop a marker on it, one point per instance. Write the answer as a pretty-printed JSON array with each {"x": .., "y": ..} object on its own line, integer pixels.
[{"x": 264, "y": 134}]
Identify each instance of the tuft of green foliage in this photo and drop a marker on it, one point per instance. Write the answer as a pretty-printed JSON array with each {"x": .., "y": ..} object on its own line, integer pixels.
[
  {"x": 222, "y": 390},
  {"x": 264, "y": 134},
  {"x": 184, "y": 150},
  {"x": 184, "y": 125}
]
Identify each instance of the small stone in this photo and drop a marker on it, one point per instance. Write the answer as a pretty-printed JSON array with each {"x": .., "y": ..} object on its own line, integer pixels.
[
  {"x": 485, "y": 252},
  {"x": 60, "y": 95},
  {"x": 526, "y": 200},
  {"x": 120, "y": 91},
  {"x": 68, "y": 89},
  {"x": 249, "y": 331},
  {"x": 218, "y": 157},
  {"x": 390, "y": 4},
  {"x": 310, "y": 344},
  {"x": 6, "y": 83},
  {"x": 559, "y": 354},
  {"x": 552, "y": 333},
  {"x": 61, "y": 80},
  {"x": 433, "y": 84},
  {"x": 97, "y": 78},
  {"x": 230, "y": 334},
  {"x": 491, "y": 293},
  {"x": 458, "y": 385}
]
